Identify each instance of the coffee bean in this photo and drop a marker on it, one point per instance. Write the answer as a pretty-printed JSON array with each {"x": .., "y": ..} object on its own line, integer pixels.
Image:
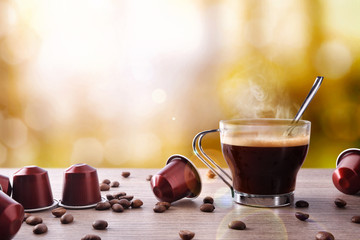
[
  {"x": 166, "y": 204},
  {"x": 136, "y": 203},
  {"x": 355, "y": 219},
  {"x": 125, "y": 203},
  {"x": 186, "y": 234},
  {"x": 106, "y": 181},
  {"x": 67, "y": 218},
  {"x": 100, "y": 224},
  {"x": 117, "y": 208},
  {"x": 323, "y": 235},
  {"x": 104, "y": 187},
  {"x": 237, "y": 225},
  {"x": 127, "y": 197},
  {"x": 207, "y": 207},
  {"x": 91, "y": 237},
  {"x": 114, "y": 201},
  {"x": 33, "y": 220},
  {"x": 115, "y": 184},
  {"x": 103, "y": 206},
  {"x": 302, "y": 204},
  {"x": 58, "y": 212},
  {"x": 26, "y": 215},
  {"x": 120, "y": 194},
  {"x": 40, "y": 228},
  {"x": 340, "y": 203},
  {"x": 159, "y": 208},
  {"x": 109, "y": 197},
  {"x": 125, "y": 174},
  {"x": 301, "y": 216},
  {"x": 210, "y": 174},
  {"x": 208, "y": 200},
  {"x": 148, "y": 178}
]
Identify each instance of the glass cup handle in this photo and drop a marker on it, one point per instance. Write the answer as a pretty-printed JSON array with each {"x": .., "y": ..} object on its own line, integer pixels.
[{"x": 198, "y": 150}]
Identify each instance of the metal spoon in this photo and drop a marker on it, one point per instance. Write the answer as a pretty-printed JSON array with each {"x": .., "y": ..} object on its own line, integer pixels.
[{"x": 306, "y": 102}]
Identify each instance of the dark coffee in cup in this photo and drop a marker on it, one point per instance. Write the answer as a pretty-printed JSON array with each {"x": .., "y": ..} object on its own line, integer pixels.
[
  {"x": 264, "y": 157},
  {"x": 264, "y": 166}
]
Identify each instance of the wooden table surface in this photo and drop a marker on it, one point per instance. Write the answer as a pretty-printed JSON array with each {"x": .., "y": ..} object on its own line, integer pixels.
[{"x": 313, "y": 185}]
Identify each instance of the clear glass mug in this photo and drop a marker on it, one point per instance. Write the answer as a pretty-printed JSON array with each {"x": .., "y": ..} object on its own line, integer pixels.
[{"x": 264, "y": 157}]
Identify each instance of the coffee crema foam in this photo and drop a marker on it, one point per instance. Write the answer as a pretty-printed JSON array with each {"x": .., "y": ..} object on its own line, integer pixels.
[{"x": 263, "y": 141}]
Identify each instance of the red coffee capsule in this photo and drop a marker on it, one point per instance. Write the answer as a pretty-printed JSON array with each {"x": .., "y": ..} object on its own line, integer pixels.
[
  {"x": 346, "y": 176},
  {"x": 5, "y": 185},
  {"x": 11, "y": 216},
  {"x": 31, "y": 188},
  {"x": 178, "y": 179},
  {"x": 81, "y": 187}
]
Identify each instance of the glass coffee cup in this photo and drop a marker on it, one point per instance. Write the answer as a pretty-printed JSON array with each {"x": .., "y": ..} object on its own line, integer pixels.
[{"x": 264, "y": 157}]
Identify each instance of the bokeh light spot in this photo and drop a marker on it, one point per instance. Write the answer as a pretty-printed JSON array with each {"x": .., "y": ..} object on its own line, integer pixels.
[
  {"x": 3, "y": 154},
  {"x": 37, "y": 116},
  {"x": 135, "y": 148},
  {"x": 8, "y": 18},
  {"x": 333, "y": 59},
  {"x": 158, "y": 96},
  {"x": 87, "y": 150},
  {"x": 13, "y": 132}
]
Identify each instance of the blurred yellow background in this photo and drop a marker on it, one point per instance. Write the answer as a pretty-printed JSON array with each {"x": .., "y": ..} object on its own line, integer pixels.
[{"x": 129, "y": 83}]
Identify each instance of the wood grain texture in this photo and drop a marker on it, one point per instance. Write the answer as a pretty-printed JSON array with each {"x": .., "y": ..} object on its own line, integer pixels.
[{"x": 313, "y": 185}]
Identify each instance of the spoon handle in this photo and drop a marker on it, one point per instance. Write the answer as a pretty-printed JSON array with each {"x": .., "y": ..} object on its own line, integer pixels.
[{"x": 308, "y": 98}]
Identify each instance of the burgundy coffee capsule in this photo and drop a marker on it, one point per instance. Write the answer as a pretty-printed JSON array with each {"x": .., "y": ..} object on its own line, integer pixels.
[
  {"x": 346, "y": 176},
  {"x": 11, "y": 216},
  {"x": 31, "y": 188},
  {"x": 5, "y": 185},
  {"x": 177, "y": 180},
  {"x": 81, "y": 187}
]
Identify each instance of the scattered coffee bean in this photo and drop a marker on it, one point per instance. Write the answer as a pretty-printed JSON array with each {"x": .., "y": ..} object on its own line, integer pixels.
[
  {"x": 207, "y": 207},
  {"x": 302, "y": 204},
  {"x": 148, "y": 178},
  {"x": 120, "y": 194},
  {"x": 67, "y": 218},
  {"x": 40, "y": 228},
  {"x": 33, "y": 220},
  {"x": 106, "y": 181},
  {"x": 91, "y": 237},
  {"x": 210, "y": 174},
  {"x": 301, "y": 216},
  {"x": 323, "y": 235},
  {"x": 125, "y": 203},
  {"x": 114, "y": 201},
  {"x": 103, "y": 206},
  {"x": 109, "y": 197},
  {"x": 26, "y": 215},
  {"x": 125, "y": 174},
  {"x": 340, "y": 203},
  {"x": 104, "y": 187},
  {"x": 127, "y": 197},
  {"x": 186, "y": 234},
  {"x": 159, "y": 208},
  {"x": 117, "y": 208},
  {"x": 100, "y": 224},
  {"x": 136, "y": 203},
  {"x": 58, "y": 212},
  {"x": 355, "y": 219},
  {"x": 208, "y": 200},
  {"x": 115, "y": 184},
  {"x": 237, "y": 225},
  {"x": 166, "y": 204}
]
